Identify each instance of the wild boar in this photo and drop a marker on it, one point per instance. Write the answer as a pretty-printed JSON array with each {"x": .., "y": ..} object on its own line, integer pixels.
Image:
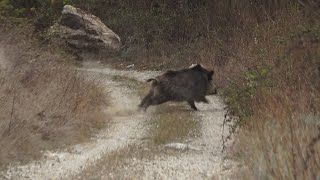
[{"x": 191, "y": 85}]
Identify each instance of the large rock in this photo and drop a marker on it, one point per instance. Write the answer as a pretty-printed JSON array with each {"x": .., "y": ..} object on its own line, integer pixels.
[{"x": 84, "y": 31}]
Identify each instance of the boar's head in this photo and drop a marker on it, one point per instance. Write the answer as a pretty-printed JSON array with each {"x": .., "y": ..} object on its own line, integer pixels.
[{"x": 212, "y": 88}]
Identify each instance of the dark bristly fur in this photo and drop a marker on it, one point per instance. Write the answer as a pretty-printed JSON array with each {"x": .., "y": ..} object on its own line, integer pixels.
[{"x": 191, "y": 85}]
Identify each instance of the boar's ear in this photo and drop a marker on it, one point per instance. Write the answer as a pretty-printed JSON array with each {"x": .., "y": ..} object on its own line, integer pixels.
[
  {"x": 152, "y": 79},
  {"x": 211, "y": 73},
  {"x": 197, "y": 67}
]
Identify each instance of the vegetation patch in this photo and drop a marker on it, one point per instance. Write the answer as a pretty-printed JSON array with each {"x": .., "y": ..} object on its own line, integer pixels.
[
  {"x": 45, "y": 103},
  {"x": 273, "y": 94}
]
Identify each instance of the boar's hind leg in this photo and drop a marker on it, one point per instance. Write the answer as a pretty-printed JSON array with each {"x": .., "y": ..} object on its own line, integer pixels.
[
  {"x": 156, "y": 100},
  {"x": 193, "y": 106},
  {"x": 145, "y": 103},
  {"x": 204, "y": 99}
]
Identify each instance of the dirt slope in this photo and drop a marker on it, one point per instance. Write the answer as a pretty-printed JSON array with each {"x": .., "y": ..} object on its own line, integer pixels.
[{"x": 127, "y": 149}]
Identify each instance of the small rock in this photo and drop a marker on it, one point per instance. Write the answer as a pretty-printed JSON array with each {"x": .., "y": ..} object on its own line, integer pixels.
[
  {"x": 84, "y": 31},
  {"x": 131, "y": 66}
]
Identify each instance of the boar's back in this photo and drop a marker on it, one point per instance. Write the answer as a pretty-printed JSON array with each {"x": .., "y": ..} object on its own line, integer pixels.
[{"x": 184, "y": 85}]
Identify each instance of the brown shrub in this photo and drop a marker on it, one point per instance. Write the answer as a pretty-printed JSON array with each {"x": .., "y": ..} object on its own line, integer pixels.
[{"x": 289, "y": 149}]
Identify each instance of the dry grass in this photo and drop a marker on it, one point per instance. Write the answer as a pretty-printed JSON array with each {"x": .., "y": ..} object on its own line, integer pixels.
[
  {"x": 281, "y": 140},
  {"x": 274, "y": 88},
  {"x": 288, "y": 149},
  {"x": 45, "y": 104}
]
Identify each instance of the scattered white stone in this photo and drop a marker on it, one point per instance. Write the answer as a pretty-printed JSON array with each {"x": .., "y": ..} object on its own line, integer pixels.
[{"x": 181, "y": 146}]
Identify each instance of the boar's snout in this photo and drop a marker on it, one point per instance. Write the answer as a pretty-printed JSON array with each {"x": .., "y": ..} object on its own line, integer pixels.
[{"x": 212, "y": 89}]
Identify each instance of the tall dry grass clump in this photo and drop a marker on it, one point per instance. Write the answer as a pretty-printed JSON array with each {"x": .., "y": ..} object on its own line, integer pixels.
[
  {"x": 45, "y": 103},
  {"x": 271, "y": 82},
  {"x": 275, "y": 148},
  {"x": 44, "y": 107}
]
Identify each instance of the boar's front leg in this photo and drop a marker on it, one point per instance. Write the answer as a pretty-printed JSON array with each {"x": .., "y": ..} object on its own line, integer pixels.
[{"x": 193, "y": 106}]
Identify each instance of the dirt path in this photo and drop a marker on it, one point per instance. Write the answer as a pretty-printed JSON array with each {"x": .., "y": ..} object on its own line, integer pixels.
[{"x": 138, "y": 144}]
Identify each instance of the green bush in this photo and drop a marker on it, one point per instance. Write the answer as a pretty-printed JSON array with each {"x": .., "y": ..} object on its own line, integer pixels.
[
  {"x": 43, "y": 12},
  {"x": 238, "y": 98},
  {"x": 5, "y": 7}
]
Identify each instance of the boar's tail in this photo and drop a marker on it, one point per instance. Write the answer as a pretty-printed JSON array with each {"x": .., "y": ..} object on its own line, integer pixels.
[{"x": 154, "y": 81}]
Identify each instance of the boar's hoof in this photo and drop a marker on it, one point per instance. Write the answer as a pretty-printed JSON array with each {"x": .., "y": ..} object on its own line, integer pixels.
[
  {"x": 144, "y": 107},
  {"x": 193, "y": 106}
]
